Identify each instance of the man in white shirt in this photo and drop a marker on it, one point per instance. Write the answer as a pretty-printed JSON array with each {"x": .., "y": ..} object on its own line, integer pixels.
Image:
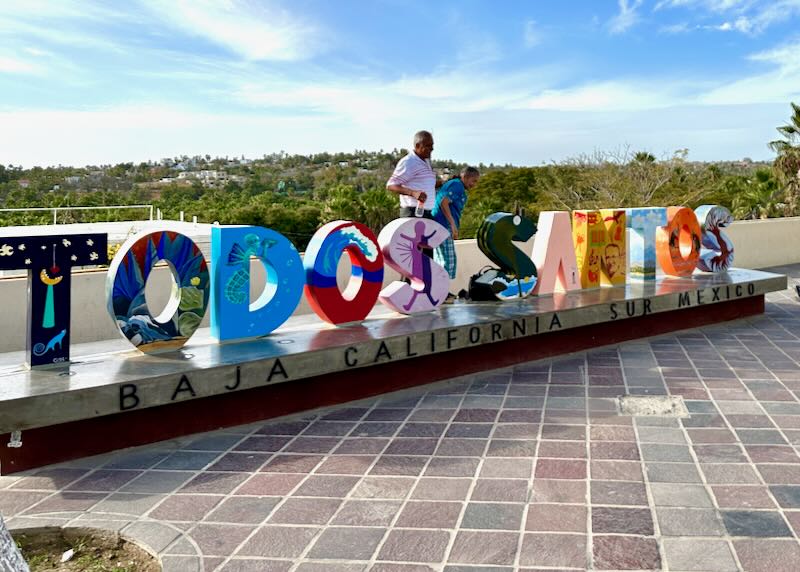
[{"x": 413, "y": 178}]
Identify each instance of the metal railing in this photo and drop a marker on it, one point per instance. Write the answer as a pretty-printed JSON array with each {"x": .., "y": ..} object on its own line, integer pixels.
[{"x": 67, "y": 209}]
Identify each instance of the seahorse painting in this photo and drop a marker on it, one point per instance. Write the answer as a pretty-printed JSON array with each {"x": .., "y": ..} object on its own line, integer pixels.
[
  {"x": 233, "y": 249},
  {"x": 236, "y": 287}
]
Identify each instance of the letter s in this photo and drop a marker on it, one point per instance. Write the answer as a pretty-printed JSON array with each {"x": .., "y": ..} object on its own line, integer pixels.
[
  {"x": 400, "y": 242},
  {"x": 716, "y": 254}
]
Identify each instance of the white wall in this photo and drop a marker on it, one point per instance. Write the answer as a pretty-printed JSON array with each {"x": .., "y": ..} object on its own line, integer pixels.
[{"x": 758, "y": 244}]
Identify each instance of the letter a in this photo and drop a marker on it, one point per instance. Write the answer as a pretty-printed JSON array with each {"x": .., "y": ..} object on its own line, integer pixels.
[{"x": 554, "y": 254}]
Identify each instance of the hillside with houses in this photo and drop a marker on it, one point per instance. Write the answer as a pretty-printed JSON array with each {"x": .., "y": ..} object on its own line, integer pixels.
[{"x": 296, "y": 193}]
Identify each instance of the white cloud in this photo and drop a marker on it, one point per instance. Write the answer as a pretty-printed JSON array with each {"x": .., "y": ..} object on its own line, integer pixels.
[
  {"x": 742, "y": 24},
  {"x": 750, "y": 17},
  {"x": 780, "y": 84},
  {"x": 38, "y": 10},
  {"x": 16, "y": 65},
  {"x": 139, "y": 133},
  {"x": 478, "y": 110},
  {"x": 710, "y": 5},
  {"x": 254, "y": 31},
  {"x": 786, "y": 56},
  {"x": 528, "y": 137},
  {"x": 627, "y": 16},
  {"x": 609, "y": 96},
  {"x": 459, "y": 90},
  {"x": 531, "y": 35},
  {"x": 774, "y": 12},
  {"x": 674, "y": 29}
]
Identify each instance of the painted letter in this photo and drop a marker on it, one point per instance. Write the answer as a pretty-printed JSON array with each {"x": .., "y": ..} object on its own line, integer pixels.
[
  {"x": 716, "y": 255},
  {"x": 49, "y": 261},
  {"x": 321, "y": 261},
  {"x": 600, "y": 247},
  {"x": 589, "y": 236},
  {"x": 614, "y": 264},
  {"x": 643, "y": 223},
  {"x": 554, "y": 254},
  {"x": 233, "y": 315},
  {"x": 401, "y": 241},
  {"x": 678, "y": 243},
  {"x": 125, "y": 284},
  {"x": 517, "y": 276}
]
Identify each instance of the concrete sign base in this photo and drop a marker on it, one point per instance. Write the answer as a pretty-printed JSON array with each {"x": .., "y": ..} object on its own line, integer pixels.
[{"x": 104, "y": 402}]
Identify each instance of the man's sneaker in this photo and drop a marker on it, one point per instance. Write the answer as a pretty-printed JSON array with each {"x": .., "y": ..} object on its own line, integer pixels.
[{"x": 450, "y": 299}]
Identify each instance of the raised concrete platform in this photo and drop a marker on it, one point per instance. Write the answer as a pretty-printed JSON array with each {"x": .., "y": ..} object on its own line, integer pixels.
[{"x": 118, "y": 399}]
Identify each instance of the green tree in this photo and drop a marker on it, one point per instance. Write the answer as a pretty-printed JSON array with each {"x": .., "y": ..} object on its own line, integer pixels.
[
  {"x": 343, "y": 203},
  {"x": 644, "y": 157},
  {"x": 379, "y": 208},
  {"x": 757, "y": 197},
  {"x": 787, "y": 163}
]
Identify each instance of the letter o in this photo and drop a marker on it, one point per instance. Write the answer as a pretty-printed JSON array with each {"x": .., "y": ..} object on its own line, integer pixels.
[
  {"x": 678, "y": 243},
  {"x": 125, "y": 287},
  {"x": 321, "y": 262}
]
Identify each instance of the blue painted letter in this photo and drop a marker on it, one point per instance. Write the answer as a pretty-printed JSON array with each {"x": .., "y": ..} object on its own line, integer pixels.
[
  {"x": 643, "y": 223},
  {"x": 233, "y": 315}
]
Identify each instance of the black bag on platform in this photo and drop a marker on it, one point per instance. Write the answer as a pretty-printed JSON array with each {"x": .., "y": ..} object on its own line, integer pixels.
[{"x": 484, "y": 285}]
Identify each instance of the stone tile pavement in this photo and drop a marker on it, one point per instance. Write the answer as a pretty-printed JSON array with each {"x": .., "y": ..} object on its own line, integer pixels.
[{"x": 525, "y": 468}]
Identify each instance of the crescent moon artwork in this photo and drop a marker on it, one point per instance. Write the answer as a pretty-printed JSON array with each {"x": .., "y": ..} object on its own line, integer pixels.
[
  {"x": 49, "y": 318},
  {"x": 45, "y": 278}
]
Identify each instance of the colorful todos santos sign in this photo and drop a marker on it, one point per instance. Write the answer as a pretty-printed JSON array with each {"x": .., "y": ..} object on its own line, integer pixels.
[{"x": 582, "y": 249}]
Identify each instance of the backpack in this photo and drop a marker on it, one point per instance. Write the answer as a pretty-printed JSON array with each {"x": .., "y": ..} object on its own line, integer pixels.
[{"x": 484, "y": 285}]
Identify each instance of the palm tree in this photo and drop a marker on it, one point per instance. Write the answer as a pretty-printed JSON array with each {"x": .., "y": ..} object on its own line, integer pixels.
[
  {"x": 755, "y": 198},
  {"x": 644, "y": 157},
  {"x": 787, "y": 163}
]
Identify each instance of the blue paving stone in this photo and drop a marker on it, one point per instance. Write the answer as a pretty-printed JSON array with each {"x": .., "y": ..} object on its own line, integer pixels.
[
  {"x": 757, "y": 524},
  {"x": 787, "y": 496}
]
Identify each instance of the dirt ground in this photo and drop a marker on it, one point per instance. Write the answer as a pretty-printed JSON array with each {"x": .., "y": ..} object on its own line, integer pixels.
[{"x": 95, "y": 551}]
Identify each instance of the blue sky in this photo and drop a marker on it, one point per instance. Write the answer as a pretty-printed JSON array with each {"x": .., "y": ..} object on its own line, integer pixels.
[{"x": 526, "y": 82}]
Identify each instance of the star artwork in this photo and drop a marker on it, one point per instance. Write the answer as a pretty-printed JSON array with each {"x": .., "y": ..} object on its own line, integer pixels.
[{"x": 53, "y": 252}]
